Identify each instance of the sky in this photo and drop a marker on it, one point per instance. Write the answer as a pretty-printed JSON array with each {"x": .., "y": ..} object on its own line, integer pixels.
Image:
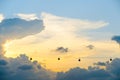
[
  {"x": 96, "y": 10},
  {"x": 46, "y": 30}
]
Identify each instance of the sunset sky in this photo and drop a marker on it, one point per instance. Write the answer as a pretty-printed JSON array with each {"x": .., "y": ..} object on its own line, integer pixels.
[{"x": 46, "y": 30}]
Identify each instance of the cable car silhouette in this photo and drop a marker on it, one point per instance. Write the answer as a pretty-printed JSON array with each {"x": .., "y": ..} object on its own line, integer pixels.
[
  {"x": 79, "y": 60},
  {"x": 110, "y": 59},
  {"x": 30, "y": 58},
  {"x": 58, "y": 58}
]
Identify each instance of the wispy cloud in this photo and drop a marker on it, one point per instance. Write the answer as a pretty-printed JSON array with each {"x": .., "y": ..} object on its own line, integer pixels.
[{"x": 69, "y": 24}]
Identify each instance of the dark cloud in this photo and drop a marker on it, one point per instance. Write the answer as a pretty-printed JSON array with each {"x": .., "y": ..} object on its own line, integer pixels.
[
  {"x": 25, "y": 67},
  {"x": 83, "y": 74},
  {"x": 3, "y": 62},
  {"x": 62, "y": 50},
  {"x": 90, "y": 47},
  {"x": 100, "y": 63},
  {"x": 114, "y": 68},
  {"x": 18, "y": 28},
  {"x": 39, "y": 67},
  {"x": 21, "y": 68},
  {"x": 112, "y": 72},
  {"x": 117, "y": 39}
]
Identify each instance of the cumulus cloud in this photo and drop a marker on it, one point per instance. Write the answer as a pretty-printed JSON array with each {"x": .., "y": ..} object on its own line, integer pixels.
[
  {"x": 117, "y": 39},
  {"x": 21, "y": 68},
  {"x": 1, "y": 17},
  {"x": 114, "y": 68},
  {"x": 3, "y": 62},
  {"x": 18, "y": 28},
  {"x": 84, "y": 74},
  {"x": 27, "y": 17},
  {"x": 62, "y": 50},
  {"x": 25, "y": 67},
  {"x": 92, "y": 73}
]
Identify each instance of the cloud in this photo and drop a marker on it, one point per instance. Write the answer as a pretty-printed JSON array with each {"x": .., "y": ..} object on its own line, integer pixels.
[
  {"x": 62, "y": 50},
  {"x": 114, "y": 68},
  {"x": 18, "y": 28},
  {"x": 21, "y": 68},
  {"x": 70, "y": 24},
  {"x": 1, "y": 17},
  {"x": 27, "y": 17},
  {"x": 110, "y": 73},
  {"x": 84, "y": 74},
  {"x": 3, "y": 62},
  {"x": 100, "y": 63},
  {"x": 25, "y": 67},
  {"x": 90, "y": 47},
  {"x": 116, "y": 38}
]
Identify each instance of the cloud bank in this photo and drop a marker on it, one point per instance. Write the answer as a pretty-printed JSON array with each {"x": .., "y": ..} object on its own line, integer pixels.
[
  {"x": 21, "y": 68},
  {"x": 93, "y": 73}
]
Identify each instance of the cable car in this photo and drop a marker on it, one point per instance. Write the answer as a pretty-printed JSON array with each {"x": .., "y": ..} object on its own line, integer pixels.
[
  {"x": 30, "y": 58},
  {"x": 58, "y": 58},
  {"x": 79, "y": 60},
  {"x": 110, "y": 59}
]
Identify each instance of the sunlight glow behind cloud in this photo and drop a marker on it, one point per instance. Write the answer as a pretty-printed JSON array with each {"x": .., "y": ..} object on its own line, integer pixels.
[{"x": 1, "y": 17}]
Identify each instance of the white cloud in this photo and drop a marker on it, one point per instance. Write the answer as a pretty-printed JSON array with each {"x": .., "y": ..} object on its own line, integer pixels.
[
  {"x": 69, "y": 24},
  {"x": 61, "y": 27},
  {"x": 1, "y": 17},
  {"x": 27, "y": 17}
]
